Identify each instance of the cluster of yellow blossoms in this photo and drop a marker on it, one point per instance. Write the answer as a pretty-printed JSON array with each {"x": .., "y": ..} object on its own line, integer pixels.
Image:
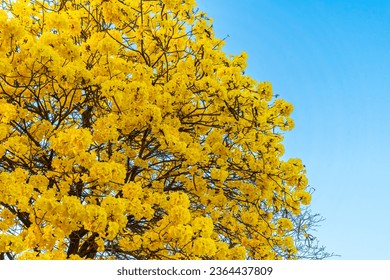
[{"x": 126, "y": 132}]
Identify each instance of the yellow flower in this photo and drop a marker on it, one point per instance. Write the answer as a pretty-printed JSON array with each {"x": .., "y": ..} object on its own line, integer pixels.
[
  {"x": 285, "y": 224},
  {"x": 204, "y": 247}
]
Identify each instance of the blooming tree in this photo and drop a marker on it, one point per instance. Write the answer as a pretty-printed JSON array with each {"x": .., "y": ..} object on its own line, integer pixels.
[{"x": 127, "y": 133}]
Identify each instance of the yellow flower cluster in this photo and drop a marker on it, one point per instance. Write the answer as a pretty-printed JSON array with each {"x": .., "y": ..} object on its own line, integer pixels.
[{"x": 126, "y": 132}]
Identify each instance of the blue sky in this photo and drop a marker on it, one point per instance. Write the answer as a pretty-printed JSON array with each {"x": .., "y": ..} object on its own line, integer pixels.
[{"x": 331, "y": 60}]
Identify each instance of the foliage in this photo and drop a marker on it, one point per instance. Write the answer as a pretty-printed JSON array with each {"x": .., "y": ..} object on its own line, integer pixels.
[{"x": 127, "y": 133}]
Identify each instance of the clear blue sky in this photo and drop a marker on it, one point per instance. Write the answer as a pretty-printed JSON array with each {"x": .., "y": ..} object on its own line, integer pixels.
[{"x": 331, "y": 59}]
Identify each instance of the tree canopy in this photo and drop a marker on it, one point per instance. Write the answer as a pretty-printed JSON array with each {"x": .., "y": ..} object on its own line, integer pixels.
[{"x": 126, "y": 132}]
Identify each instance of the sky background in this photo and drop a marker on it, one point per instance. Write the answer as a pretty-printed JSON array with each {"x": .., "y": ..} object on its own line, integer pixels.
[{"x": 331, "y": 60}]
